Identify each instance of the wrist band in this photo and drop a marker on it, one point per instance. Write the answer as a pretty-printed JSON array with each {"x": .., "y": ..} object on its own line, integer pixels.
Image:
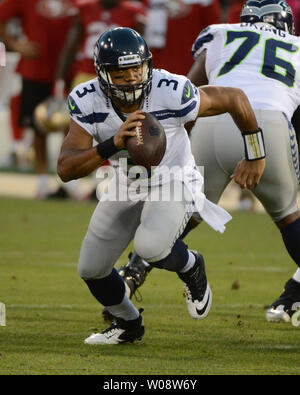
[
  {"x": 107, "y": 148},
  {"x": 254, "y": 145}
]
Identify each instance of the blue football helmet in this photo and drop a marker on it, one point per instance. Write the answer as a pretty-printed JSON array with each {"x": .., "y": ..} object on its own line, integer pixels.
[
  {"x": 275, "y": 12},
  {"x": 123, "y": 47}
]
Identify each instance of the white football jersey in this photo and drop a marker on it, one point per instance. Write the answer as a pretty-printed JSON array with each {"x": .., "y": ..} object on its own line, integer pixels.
[
  {"x": 173, "y": 99},
  {"x": 259, "y": 59}
]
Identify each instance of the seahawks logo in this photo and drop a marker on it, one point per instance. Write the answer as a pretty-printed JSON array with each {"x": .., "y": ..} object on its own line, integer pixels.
[
  {"x": 188, "y": 92},
  {"x": 74, "y": 109}
]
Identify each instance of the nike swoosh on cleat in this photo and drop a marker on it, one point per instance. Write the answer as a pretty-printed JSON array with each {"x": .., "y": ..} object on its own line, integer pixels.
[
  {"x": 109, "y": 336},
  {"x": 202, "y": 311}
]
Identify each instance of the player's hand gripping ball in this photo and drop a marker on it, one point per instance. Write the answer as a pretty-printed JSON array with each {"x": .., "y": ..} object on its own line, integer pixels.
[{"x": 148, "y": 147}]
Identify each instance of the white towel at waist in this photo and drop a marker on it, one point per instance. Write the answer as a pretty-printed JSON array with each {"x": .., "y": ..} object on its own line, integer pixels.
[{"x": 215, "y": 216}]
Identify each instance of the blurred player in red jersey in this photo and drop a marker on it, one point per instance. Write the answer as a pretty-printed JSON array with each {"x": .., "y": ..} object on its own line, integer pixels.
[
  {"x": 94, "y": 17},
  {"x": 45, "y": 24},
  {"x": 171, "y": 39},
  {"x": 10, "y": 95}
]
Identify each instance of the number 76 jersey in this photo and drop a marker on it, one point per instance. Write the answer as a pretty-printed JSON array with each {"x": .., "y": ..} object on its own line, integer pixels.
[{"x": 259, "y": 59}]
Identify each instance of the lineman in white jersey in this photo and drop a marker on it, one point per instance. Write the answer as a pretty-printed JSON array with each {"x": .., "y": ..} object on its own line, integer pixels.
[
  {"x": 263, "y": 59},
  {"x": 108, "y": 109}
]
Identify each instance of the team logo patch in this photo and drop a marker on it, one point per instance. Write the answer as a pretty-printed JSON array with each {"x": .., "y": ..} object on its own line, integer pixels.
[
  {"x": 74, "y": 109},
  {"x": 188, "y": 92}
]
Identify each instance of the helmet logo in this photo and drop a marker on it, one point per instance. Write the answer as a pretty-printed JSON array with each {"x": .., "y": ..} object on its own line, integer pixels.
[
  {"x": 268, "y": 18},
  {"x": 129, "y": 60}
]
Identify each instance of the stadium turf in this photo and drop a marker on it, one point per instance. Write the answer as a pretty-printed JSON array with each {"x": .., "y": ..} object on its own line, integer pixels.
[{"x": 50, "y": 311}]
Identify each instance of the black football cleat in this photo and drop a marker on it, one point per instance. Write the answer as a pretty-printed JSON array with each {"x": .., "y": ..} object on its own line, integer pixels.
[
  {"x": 197, "y": 290},
  {"x": 60, "y": 193},
  {"x": 286, "y": 305},
  {"x": 120, "y": 331}
]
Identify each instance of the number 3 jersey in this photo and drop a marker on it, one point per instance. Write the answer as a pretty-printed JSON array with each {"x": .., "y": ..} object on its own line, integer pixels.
[{"x": 256, "y": 58}]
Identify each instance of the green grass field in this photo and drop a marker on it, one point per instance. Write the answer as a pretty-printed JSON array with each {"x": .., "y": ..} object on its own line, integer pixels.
[{"x": 50, "y": 310}]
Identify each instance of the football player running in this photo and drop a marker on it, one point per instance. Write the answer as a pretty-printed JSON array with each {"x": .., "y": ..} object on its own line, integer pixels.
[
  {"x": 261, "y": 56},
  {"x": 108, "y": 109}
]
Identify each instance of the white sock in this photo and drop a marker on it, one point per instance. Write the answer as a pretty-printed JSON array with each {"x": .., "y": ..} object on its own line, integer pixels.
[
  {"x": 296, "y": 276},
  {"x": 190, "y": 263},
  {"x": 145, "y": 263},
  {"x": 125, "y": 309},
  {"x": 43, "y": 185},
  {"x": 15, "y": 145}
]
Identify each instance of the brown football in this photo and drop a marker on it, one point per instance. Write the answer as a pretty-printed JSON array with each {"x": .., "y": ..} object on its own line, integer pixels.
[{"x": 148, "y": 147}]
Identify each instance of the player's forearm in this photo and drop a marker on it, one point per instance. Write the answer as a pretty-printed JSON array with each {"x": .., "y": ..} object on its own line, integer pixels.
[
  {"x": 242, "y": 112},
  {"x": 219, "y": 100},
  {"x": 244, "y": 117},
  {"x": 74, "y": 164}
]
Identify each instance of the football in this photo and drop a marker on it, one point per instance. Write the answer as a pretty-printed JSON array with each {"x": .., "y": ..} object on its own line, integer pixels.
[{"x": 148, "y": 147}]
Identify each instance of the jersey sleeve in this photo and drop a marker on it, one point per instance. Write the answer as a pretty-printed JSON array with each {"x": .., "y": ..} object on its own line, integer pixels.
[
  {"x": 189, "y": 101},
  {"x": 180, "y": 98},
  {"x": 81, "y": 109},
  {"x": 203, "y": 40}
]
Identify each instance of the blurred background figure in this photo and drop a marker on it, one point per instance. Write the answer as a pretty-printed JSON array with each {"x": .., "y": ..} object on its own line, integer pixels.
[
  {"x": 173, "y": 25},
  {"x": 10, "y": 83},
  {"x": 44, "y": 25}
]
